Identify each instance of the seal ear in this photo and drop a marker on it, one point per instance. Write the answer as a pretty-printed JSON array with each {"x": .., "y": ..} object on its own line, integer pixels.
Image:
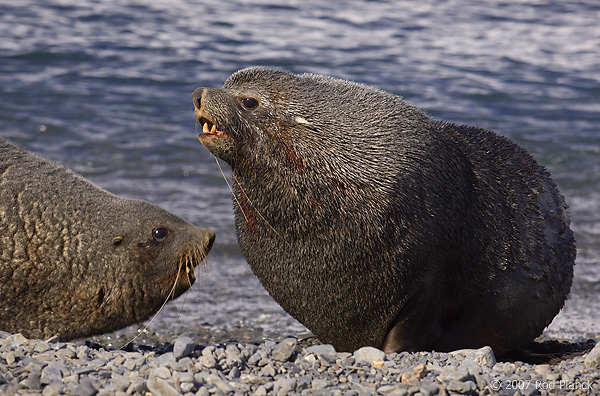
[
  {"x": 117, "y": 240},
  {"x": 304, "y": 122},
  {"x": 301, "y": 120}
]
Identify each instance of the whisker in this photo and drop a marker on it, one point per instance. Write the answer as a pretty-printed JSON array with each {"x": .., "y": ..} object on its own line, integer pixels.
[
  {"x": 231, "y": 189},
  {"x": 240, "y": 206},
  {"x": 171, "y": 293}
]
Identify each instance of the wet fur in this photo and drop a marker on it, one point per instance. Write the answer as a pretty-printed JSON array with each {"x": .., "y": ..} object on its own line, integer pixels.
[
  {"x": 381, "y": 226},
  {"x": 77, "y": 260}
]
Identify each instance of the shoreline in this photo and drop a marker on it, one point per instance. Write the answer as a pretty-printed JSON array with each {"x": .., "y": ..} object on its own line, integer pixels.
[{"x": 287, "y": 366}]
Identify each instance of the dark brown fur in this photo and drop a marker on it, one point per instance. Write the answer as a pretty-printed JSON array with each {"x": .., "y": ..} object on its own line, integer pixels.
[
  {"x": 76, "y": 260},
  {"x": 373, "y": 224}
]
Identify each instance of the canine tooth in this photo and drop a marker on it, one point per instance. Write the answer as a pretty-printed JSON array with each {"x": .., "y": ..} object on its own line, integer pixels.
[
  {"x": 213, "y": 129},
  {"x": 205, "y": 128}
]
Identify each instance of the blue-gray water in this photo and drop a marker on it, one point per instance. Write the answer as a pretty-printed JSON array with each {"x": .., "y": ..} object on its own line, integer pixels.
[{"x": 105, "y": 88}]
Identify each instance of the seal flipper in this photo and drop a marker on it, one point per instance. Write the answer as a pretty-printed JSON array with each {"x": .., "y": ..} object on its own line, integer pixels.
[{"x": 406, "y": 332}]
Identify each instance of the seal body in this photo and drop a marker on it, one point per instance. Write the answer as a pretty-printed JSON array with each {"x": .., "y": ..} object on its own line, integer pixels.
[
  {"x": 373, "y": 224},
  {"x": 76, "y": 260}
]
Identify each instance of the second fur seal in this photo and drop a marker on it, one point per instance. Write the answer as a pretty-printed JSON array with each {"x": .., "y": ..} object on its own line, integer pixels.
[
  {"x": 373, "y": 224},
  {"x": 76, "y": 260}
]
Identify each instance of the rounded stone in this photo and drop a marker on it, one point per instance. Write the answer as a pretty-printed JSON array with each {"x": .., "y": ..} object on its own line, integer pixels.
[
  {"x": 284, "y": 349},
  {"x": 368, "y": 354},
  {"x": 183, "y": 346}
]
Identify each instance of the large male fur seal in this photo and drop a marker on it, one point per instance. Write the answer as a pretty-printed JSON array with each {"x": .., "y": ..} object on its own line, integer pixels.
[
  {"x": 76, "y": 260},
  {"x": 373, "y": 224}
]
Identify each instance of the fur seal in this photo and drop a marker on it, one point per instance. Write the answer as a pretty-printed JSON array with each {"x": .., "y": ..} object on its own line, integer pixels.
[
  {"x": 76, "y": 260},
  {"x": 376, "y": 225}
]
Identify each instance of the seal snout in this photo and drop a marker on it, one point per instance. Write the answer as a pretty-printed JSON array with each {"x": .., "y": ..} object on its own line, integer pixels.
[{"x": 208, "y": 126}]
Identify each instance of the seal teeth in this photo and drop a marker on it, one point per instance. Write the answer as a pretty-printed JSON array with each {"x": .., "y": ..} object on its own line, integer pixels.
[
  {"x": 205, "y": 128},
  {"x": 213, "y": 130}
]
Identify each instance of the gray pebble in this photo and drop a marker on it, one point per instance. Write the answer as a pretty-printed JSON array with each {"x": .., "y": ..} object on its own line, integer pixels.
[
  {"x": 207, "y": 361},
  {"x": 67, "y": 353},
  {"x": 201, "y": 377},
  {"x": 592, "y": 360},
  {"x": 208, "y": 351},
  {"x": 204, "y": 392},
  {"x": 464, "y": 388},
  {"x": 234, "y": 373},
  {"x": 32, "y": 381},
  {"x": 160, "y": 387},
  {"x": 53, "y": 389},
  {"x": 50, "y": 374},
  {"x": 429, "y": 389},
  {"x": 401, "y": 392},
  {"x": 222, "y": 385},
  {"x": 260, "y": 391},
  {"x": 9, "y": 357},
  {"x": 254, "y": 359},
  {"x": 363, "y": 389},
  {"x": 121, "y": 382},
  {"x": 509, "y": 368},
  {"x": 566, "y": 378},
  {"x": 321, "y": 349},
  {"x": 183, "y": 346},
  {"x": 140, "y": 386},
  {"x": 85, "y": 388},
  {"x": 320, "y": 384},
  {"x": 482, "y": 356},
  {"x": 269, "y": 386},
  {"x": 553, "y": 377},
  {"x": 283, "y": 386},
  {"x": 129, "y": 364},
  {"x": 186, "y": 387},
  {"x": 18, "y": 339},
  {"x": 268, "y": 346},
  {"x": 267, "y": 369},
  {"x": 41, "y": 346},
  {"x": 284, "y": 350},
  {"x": 303, "y": 382},
  {"x": 369, "y": 354},
  {"x": 183, "y": 376},
  {"x": 160, "y": 372},
  {"x": 84, "y": 370},
  {"x": 387, "y": 389},
  {"x": 166, "y": 359}
]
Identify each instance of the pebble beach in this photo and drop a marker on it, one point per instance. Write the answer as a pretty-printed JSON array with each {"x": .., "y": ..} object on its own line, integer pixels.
[{"x": 284, "y": 367}]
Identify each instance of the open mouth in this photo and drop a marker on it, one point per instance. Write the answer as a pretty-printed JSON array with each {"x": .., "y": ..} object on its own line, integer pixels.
[
  {"x": 208, "y": 128},
  {"x": 185, "y": 275}
]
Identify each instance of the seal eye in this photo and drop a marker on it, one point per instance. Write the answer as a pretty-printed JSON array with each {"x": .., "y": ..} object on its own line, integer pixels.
[
  {"x": 160, "y": 233},
  {"x": 249, "y": 103}
]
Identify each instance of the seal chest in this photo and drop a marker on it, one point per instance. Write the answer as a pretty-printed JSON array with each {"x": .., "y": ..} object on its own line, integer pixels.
[
  {"x": 76, "y": 260},
  {"x": 373, "y": 224}
]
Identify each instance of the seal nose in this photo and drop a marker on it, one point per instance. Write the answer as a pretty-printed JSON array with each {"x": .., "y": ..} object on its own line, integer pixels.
[{"x": 197, "y": 97}]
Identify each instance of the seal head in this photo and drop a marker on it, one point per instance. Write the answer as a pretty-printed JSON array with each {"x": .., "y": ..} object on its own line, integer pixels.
[
  {"x": 77, "y": 260},
  {"x": 373, "y": 224}
]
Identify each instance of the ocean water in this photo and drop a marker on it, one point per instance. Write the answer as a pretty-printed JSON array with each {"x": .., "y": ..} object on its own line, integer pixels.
[{"x": 105, "y": 87}]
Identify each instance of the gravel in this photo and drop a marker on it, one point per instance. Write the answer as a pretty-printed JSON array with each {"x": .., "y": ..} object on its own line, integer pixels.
[{"x": 284, "y": 367}]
